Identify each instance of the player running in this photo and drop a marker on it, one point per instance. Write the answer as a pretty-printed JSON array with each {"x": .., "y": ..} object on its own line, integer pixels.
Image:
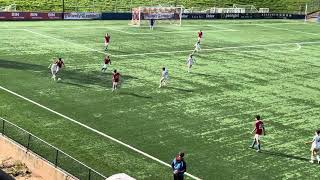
[
  {"x": 106, "y": 63},
  {"x": 56, "y": 66},
  {"x": 190, "y": 62},
  {"x": 106, "y": 41},
  {"x": 200, "y": 34},
  {"x": 197, "y": 47},
  {"x": 259, "y": 130},
  {"x": 115, "y": 80},
  {"x": 164, "y": 77},
  {"x": 315, "y": 147}
]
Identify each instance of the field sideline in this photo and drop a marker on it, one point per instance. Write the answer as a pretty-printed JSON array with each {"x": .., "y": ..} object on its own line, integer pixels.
[{"x": 245, "y": 68}]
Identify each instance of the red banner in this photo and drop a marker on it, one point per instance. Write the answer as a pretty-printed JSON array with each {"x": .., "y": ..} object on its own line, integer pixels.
[{"x": 29, "y": 16}]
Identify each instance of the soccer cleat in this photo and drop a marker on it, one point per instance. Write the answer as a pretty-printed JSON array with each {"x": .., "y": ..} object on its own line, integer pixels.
[
  {"x": 258, "y": 150},
  {"x": 311, "y": 161}
]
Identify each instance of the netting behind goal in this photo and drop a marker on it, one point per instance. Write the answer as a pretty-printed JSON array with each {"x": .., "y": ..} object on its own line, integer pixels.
[{"x": 141, "y": 16}]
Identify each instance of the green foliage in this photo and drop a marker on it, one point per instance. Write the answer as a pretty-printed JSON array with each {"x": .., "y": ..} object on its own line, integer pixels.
[{"x": 126, "y": 5}]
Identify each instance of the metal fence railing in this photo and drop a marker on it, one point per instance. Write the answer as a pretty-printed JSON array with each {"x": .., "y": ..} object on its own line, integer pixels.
[{"x": 52, "y": 154}]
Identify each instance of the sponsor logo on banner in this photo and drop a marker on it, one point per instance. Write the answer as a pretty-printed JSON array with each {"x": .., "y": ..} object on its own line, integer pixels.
[
  {"x": 84, "y": 15},
  {"x": 159, "y": 16}
]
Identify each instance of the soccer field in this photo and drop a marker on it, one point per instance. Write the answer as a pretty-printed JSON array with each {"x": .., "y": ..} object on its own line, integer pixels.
[{"x": 271, "y": 68}]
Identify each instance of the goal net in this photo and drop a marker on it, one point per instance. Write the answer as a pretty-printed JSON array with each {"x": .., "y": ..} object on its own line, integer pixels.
[
  {"x": 248, "y": 8},
  {"x": 141, "y": 16}
]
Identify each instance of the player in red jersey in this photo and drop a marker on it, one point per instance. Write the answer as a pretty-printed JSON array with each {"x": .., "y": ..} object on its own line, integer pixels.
[
  {"x": 115, "y": 80},
  {"x": 259, "y": 131},
  {"x": 200, "y": 34},
  {"x": 106, "y": 63},
  {"x": 56, "y": 66},
  {"x": 106, "y": 41}
]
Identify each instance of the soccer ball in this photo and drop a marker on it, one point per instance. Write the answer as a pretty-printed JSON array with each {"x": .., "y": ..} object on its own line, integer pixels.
[{"x": 59, "y": 79}]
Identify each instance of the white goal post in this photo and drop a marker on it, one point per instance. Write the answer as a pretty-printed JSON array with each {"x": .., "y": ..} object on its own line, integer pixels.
[{"x": 142, "y": 15}]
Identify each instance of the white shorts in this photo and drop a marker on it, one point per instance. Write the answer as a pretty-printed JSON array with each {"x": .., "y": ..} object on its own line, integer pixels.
[
  {"x": 106, "y": 44},
  {"x": 314, "y": 147},
  {"x": 54, "y": 69},
  {"x": 105, "y": 66},
  {"x": 257, "y": 137}
]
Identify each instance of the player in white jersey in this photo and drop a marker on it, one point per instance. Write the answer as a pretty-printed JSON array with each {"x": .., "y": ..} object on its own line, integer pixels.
[
  {"x": 197, "y": 47},
  {"x": 190, "y": 62},
  {"x": 55, "y": 67},
  {"x": 164, "y": 77},
  {"x": 315, "y": 147}
]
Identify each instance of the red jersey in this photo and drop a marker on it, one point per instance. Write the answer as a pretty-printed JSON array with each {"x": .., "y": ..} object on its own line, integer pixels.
[
  {"x": 259, "y": 127},
  {"x": 200, "y": 34},
  {"x": 107, "y": 61},
  {"x": 59, "y": 64},
  {"x": 116, "y": 77},
  {"x": 107, "y": 39}
]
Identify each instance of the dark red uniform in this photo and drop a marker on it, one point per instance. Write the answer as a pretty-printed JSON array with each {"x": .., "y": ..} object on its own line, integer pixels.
[
  {"x": 259, "y": 127},
  {"x": 107, "y": 39},
  {"x": 60, "y": 64},
  {"x": 116, "y": 77},
  {"x": 200, "y": 34},
  {"x": 107, "y": 61}
]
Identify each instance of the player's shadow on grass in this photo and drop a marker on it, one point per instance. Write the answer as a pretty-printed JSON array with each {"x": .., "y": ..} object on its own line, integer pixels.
[
  {"x": 72, "y": 77},
  {"x": 180, "y": 89},
  {"x": 201, "y": 74},
  {"x": 134, "y": 95},
  {"x": 279, "y": 154}
]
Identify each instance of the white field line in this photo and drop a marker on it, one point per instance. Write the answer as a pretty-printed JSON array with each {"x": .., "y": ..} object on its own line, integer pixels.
[
  {"x": 44, "y": 35},
  {"x": 285, "y": 29},
  {"x": 220, "y": 29},
  {"x": 222, "y": 48},
  {"x": 96, "y": 131}
]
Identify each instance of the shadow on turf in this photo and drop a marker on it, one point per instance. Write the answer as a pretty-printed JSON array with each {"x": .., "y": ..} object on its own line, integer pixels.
[
  {"x": 180, "y": 89},
  {"x": 74, "y": 77},
  {"x": 279, "y": 154},
  {"x": 135, "y": 95}
]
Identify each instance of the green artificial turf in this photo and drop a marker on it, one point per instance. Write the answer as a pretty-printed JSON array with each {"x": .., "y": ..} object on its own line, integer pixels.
[{"x": 245, "y": 68}]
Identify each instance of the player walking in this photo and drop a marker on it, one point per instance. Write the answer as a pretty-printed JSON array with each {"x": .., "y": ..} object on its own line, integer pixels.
[
  {"x": 115, "y": 80},
  {"x": 315, "y": 147},
  {"x": 106, "y": 63},
  {"x": 56, "y": 66},
  {"x": 200, "y": 34},
  {"x": 259, "y": 130},
  {"x": 164, "y": 77},
  {"x": 106, "y": 41},
  {"x": 190, "y": 62}
]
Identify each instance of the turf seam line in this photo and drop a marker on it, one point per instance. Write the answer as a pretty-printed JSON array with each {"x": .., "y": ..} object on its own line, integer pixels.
[
  {"x": 96, "y": 131},
  {"x": 299, "y": 45},
  {"x": 285, "y": 29}
]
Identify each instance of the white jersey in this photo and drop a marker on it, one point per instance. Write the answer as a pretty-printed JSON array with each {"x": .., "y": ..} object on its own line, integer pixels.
[
  {"x": 197, "y": 46},
  {"x": 190, "y": 61},
  {"x": 316, "y": 142},
  {"x": 165, "y": 73}
]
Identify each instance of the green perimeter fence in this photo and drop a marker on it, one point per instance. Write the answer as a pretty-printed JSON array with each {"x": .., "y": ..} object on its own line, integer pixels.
[{"x": 52, "y": 154}]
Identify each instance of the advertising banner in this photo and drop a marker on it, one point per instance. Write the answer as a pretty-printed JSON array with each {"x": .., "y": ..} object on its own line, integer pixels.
[
  {"x": 29, "y": 16},
  {"x": 84, "y": 15}
]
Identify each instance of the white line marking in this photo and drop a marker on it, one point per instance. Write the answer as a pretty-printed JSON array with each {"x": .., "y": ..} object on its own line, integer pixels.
[
  {"x": 218, "y": 49},
  {"x": 43, "y": 35},
  {"x": 285, "y": 29},
  {"x": 96, "y": 131}
]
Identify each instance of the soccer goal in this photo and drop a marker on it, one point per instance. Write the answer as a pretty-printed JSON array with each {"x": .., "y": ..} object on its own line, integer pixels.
[
  {"x": 141, "y": 16},
  {"x": 248, "y": 8}
]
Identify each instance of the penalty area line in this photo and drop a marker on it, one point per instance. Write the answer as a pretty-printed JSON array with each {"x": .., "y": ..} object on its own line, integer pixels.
[{"x": 96, "y": 131}]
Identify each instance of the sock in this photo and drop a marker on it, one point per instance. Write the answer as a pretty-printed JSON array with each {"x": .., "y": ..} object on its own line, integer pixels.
[
  {"x": 259, "y": 146},
  {"x": 253, "y": 143}
]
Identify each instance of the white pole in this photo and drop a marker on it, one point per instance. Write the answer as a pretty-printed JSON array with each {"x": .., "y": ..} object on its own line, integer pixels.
[
  {"x": 306, "y": 13},
  {"x": 180, "y": 15},
  {"x": 139, "y": 16}
]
